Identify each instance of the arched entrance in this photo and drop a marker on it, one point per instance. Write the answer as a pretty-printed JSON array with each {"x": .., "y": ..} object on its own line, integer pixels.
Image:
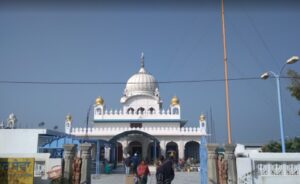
[
  {"x": 191, "y": 150},
  {"x": 135, "y": 147},
  {"x": 137, "y": 142},
  {"x": 172, "y": 148}
]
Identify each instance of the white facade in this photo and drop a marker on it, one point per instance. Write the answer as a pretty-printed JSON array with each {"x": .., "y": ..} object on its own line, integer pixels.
[{"x": 142, "y": 111}]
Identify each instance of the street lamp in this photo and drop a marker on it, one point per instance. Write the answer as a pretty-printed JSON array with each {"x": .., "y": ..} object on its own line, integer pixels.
[
  {"x": 86, "y": 137},
  {"x": 265, "y": 76}
]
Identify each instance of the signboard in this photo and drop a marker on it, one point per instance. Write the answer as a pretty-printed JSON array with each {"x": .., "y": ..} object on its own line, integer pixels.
[{"x": 16, "y": 170}]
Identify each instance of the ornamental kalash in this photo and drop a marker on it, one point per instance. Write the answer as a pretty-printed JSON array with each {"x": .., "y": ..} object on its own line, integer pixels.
[{"x": 142, "y": 126}]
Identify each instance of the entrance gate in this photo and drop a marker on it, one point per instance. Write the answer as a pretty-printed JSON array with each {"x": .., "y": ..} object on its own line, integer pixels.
[{"x": 136, "y": 146}]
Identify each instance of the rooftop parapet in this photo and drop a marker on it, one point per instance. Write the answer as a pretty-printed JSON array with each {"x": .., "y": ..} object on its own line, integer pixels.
[
  {"x": 156, "y": 131},
  {"x": 119, "y": 114}
]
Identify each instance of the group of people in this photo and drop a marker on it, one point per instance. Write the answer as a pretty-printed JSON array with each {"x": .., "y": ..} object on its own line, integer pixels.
[{"x": 164, "y": 169}]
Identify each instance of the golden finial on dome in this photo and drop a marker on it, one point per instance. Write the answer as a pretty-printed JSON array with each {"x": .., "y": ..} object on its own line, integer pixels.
[
  {"x": 69, "y": 118},
  {"x": 99, "y": 101},
  {"x": 175, "y": 100},
  {"x": 202, "y": 117}
]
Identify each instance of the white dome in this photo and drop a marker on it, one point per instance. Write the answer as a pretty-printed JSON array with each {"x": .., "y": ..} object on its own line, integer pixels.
[{"x": 141, "y": 83}]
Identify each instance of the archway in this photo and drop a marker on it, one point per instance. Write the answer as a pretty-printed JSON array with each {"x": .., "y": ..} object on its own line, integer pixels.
[
  {"x": 151, "y": 110},
  {"x": 191, "y": 150},
  {"x": 135, "y": 147},
  {"x": 175, "y": 111},
  {"x": 172, "y": 148},
  {"x": 138, "y": 140},
  {"x": 130, "y": 110},
  {"x": 140, "y": 110}
]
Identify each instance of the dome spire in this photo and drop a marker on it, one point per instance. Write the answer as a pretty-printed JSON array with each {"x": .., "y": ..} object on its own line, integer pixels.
[{"x": 142, "y": 60}]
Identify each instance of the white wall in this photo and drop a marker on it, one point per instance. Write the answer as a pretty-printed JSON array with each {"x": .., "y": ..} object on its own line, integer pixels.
[
  {"x": 19, "y": 140},
  {"x": 269, "y": 168}
]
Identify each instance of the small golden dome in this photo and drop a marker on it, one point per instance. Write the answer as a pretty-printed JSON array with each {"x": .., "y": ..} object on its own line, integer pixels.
[
  {"x": 69, "y": 118},
  {"x": 99, "y": 101},
  {"x": 175, "y": 101},
  {"x": 202, "y": 117}
]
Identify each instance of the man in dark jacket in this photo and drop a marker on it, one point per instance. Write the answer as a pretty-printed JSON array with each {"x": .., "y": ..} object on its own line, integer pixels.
[
  {"x": 159, "y": 171},
  {"x": 168, "y": 171},
  {"x": 165, "y": 173}
]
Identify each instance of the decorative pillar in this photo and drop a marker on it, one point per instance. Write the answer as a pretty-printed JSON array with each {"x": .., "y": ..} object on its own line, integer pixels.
[
  {"x": 125, "y": 148},
  {"x": 86, "y": 163},
  {"x": 69, "y": 154},
  {"x": 212, "y": 163},
  {"x": 231, "y": 161},
  {"x": 163, "y": 148},
  {"x": 180, "y": 150},
  {"x": 107, "y": 153}
]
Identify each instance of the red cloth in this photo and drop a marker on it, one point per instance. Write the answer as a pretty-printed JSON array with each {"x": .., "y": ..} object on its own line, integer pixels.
[{"x": 143, "y": 170}]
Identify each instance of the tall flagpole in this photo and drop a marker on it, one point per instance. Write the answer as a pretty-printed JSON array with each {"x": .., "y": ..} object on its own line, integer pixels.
[{"x": 226, "y": 76}]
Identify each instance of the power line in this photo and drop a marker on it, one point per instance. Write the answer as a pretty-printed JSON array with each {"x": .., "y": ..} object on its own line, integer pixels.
[
  {"x": 96, "y": 83},
  {"x": 117, "y": 83}
]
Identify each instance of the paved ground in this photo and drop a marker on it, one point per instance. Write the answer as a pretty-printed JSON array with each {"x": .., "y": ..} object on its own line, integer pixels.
[
  {"x": 180, "y": 178},
  {"x": 118, "y": 177}
]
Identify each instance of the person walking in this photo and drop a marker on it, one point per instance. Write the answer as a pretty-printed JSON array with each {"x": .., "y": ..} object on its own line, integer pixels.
[
  {"x": 127, "y": 163},
  {"x": 166, "y": 171},
  {"x": 159, "y": 171},
  {"x": 143, "y": 172},
  {"x": 135, "y": 162}
]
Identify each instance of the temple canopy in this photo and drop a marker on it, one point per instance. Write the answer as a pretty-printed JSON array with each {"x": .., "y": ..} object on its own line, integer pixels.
[{"x": 136, "y": 132}]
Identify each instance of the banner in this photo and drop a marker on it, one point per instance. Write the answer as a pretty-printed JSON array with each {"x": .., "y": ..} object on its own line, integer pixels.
[{"x": 16, "y": 170}]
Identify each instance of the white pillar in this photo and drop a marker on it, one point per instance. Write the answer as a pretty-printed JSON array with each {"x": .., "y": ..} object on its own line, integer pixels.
[
  {"x": 163, "y": 148},
  {"x": 125, "y": 148},
  {"x": 180, "y": 150},
  {"x": 107, "y": 153}
]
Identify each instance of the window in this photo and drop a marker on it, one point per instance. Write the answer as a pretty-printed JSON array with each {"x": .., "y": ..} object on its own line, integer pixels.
[
  {"x": 130, "y": 110},
  {"x": 175, "y": 111},
  {"x": 140, "y": 110},
  {"x": 98, "y": 111},
  {"x": 136, "y": 125},
  {"x": 151, "y": 110}
]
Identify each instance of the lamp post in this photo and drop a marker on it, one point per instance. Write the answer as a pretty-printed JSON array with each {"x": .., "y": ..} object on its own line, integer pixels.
[
  {"x": 265, "y": 76},
  {"x": 87, "y": 121}
]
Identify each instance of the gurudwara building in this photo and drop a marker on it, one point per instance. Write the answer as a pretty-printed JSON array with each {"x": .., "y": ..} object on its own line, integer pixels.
[{"x": 142, "y": 126}]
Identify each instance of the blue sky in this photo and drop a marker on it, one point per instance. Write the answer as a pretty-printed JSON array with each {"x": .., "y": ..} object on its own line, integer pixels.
[{"x": 93, "y": 42}]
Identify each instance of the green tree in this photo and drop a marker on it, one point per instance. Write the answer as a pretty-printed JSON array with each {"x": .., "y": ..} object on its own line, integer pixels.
[
  {"x": 292, "y": 145},
  {"x": 273, "y": 146},
  {"x": 294, "y": 86}
]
